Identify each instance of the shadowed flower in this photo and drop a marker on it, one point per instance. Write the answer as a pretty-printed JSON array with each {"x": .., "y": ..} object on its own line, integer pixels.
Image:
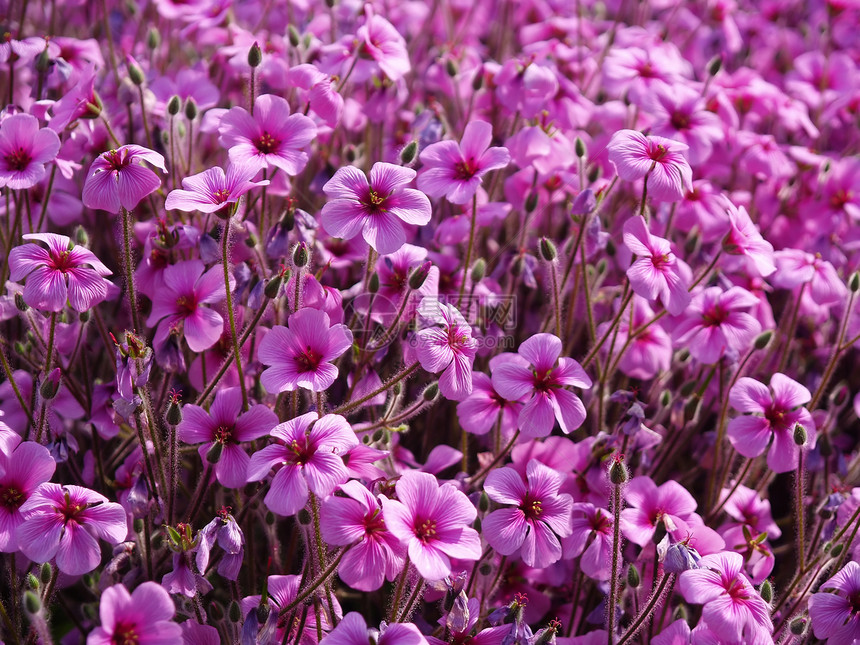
[
  {"x": 21, "y": 473},
  {"x": 213, "y": 189},
  {"x": 62, "y": 272},
  {"x": 145, "y": 616},
  {"x": 117, "y": 179},
  {"x": 24, "y": 151},
  {"x": 591, "y": 536},
  {"x": 379, "y": 41},
  {"x": 353, "y": 630},
  {"x": 447, "y": 347},
  {"x": 670, "y": 504},
  {"x": 834, "y": 611}
]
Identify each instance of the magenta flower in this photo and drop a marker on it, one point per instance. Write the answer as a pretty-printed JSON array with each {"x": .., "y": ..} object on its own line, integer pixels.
[
  {"x": 213, "y": 189},
  {"x": 272, "y": 137},
  {"x": 662, "y": 160},
  {"x": 484, "y": 407},
  {"x": 447, "y": 347},
  {"x": 381, "y": 43},
  {"x": 22, "y": 471},
  {"x": 65, "y": 522},
  {"x": 745, "y": 241},
  {"x": 433, "y": 522},
  {"x": 24, "y": 151},
  {"x": 358, "y": 520},
  {"x": 537, "y": 370},
  {"x": 62, "y": 272},
  {"x": 716, "y": 322},
  {"x": 541, "y": 515},
  {"x": 732, "y": 607},
  {"x": 454, "y": 170},
  {"x": 309, "y": 458},
  {"x": 225, "y": 424},
  {"x": 282, "y": 591},
  {"x": 352, "y": 630},
  {"x": 300, "y": 355},
  {"x": 591, "y": 537},
  {"x": 770, "y": 417},
  {"x": 746, "y": 508},
  {"x": 377, "y": 209},
  {"x": 649, "y": 505},
  {"x": 680, "y": 115},
  {"x": 117, "y": 179},
  {"x": 656, "y": 271},
  {"x": 650, "y": 352},
  {"x": 833, "y": 611},
  {"x": 144, "y": 616}
]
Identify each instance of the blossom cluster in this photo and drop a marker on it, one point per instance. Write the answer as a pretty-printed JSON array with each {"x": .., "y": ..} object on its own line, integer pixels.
[{"x": 421, "y": 323}]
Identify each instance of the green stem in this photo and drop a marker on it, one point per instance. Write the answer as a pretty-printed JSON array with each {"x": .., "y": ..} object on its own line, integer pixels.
[
  {"x": 469, "y": 248},
  {"x": 129, "y": 268},
  {"x": 647, "y": 610},
  {"x": 616, "y": 544},
  {"x": 225, "y": 250},
  {"x": 351, "y": 405},
  {"x": 313, "y": 585}
]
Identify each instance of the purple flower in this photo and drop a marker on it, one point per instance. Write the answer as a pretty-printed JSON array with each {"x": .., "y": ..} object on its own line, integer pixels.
[
  {"x": 662, "y": 160},
  {"x": 282, "y": 591},
  {"x": 447, "y": 347},
  {"x": 834, "y": 613},
  {"x": 771, "y": 414},
  {"x": 225, "y": 424},
  {"x": 24, "y": 151},
  {"x": 732, "y": 607},
  {"x": 681, "y": 115},
  {"x": 144, "y": 616},
  {"x": 454, "y": 170},
  {"x": 213, "y": 189},
  {"x": 21, "y": 472},
  {"x": 353, "y": 630},
  {"x": 309, "y": 458},
  {"x": 541, "y": 515},
  {"x": 433, "y": 522},
  {"x": 591, "y": 536},
  {"x": 226, "y": 532},
  {"x": 656, "y": 271},
  {"x": 538, "y": 371},
  {"x": 272, "y": 137},
  {"x": 186, "y": 288},
  {"x": 380, "y": 42},
  {"x": 62, "y": 272},
  {"x": 65, "y": 522},
  {"x": 485, "y": 407},
  {"x": 300, "y": 355},
  {"x": 358, "y": 520},
  {"x": 670, "y": 504},
  {"x": 377, "y": 209},
  {"x": 117, "y": 179}
]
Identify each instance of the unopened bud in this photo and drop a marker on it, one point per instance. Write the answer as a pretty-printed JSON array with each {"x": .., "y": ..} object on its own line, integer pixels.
[
  {"x": 373, "y": 283},
  {"x": 234, "y": 613},
  {"x": 479, "y": 269},
  {"x": 531, "y": 202},
  {"x": 48, "y": 388},
  {"x": 547, "y": 249},
  {"x": 691, "y": 409},
  {"x": 840, "y": 394},
  {"x": 304, "y": 517},
  {"x": 854, "y": 282},
  {"x": 633, "y": 578},
  {"x": 410, "y": 150},
  {"x": 715, "y": 65},
  {"x": 483, "y": 502},
  {"x": 213, "y": 455},
  {"x": 263, "y": 612},
  {"x": 766, "y": 591},
  {"x": 294, "y": 36},
  {"x": 763, "y": 339},
  {"x": 270, "y": 518},
  {"x": 618, "y": 471},
  {"x": 135, "y": 74},
  {"x": 174, "y": 105},
  {"x": 579, "y": 148},
  {"x": 153, "y": 38},
  {"x": 20, "y": 304},
  {"x": 46, "y": 573},
  {"x": 301, "y": 255},
  {"x": 659, "y": 532},
  {"x": 477, "y": 524},
  {"x": 32, "y": 581},
  {"x": 431, "y": 391},
  {"x": 419, "y": 275},
  {"x": 137, "y": 525},
  {"x": 666, "y": 398},
  {"x": 800, "y": 435},
  {"x": 478, "y": 81},
  {"x": 350, "y": 153},
  {"x": 215, "y": 610},
  {"x": 273, "y": 287},
  {"x": 485, "y": 569},
  {"x": 32, "y": 603},
  {"x": 190, "y": 109},
  {"x": 43, "y": 61},
  {"x": 255, "y": 57},
  {"x": 836, "y": 551},
  {"x": 797, "y": 626},
  {"x": 451, "y": 68},
  {"x": 174, "y": 413}
]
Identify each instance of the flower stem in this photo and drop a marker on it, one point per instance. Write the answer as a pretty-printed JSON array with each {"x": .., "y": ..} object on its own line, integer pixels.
[
  {"x": 225, "y": 250},
  {"x": 50, "y": 354},
  {"x": 647, "y": 610},
  {"x": 399, "y": 593},
  {"x": 313, "y": 585},
  {"x": 801, "y": 547},
  {"x": 128, "y": 260},
  {"x": 469, "y": 248},
  {"x": 351, "y": 405},
  {"x": 616, "y": 544}
]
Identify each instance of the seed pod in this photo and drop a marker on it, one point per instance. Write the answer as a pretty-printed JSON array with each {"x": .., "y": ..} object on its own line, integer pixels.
[
  {"x": 618, "y": 471},
  {"x": 174, "y": 413}
]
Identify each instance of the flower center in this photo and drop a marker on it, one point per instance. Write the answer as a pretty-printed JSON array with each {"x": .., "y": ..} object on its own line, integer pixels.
[
  {"x": 736, "y": 590},
  {"x": 660, "y": 262},
  {"x": 532, "y": 508},
  {"x": 71, "y": 510},
  {"x": 426, "y": 530},
  {"x": 18, "y": 159},
  {"x": 544, "y": 381},
  {"x": 679, "y": 120},
  {"x": 186, "y": 304},
  {"x": 839, "y": 199},
  {"x": 266, "y": 143},
  {"x": 224, "y": 434},
  {"x": 62, "y": 262},
  {"x": 465, "y": 170},
  {"x": 125, "y": 634},
  {"x": 854, "y": 601},
  {"x": 308, "y": 360},
  {"x": 301, "y": 453},
  {"x": 373, "y": 522},
  {"x": 714, "y": 316},
  {"x": 11, "y": 498},
  {"x": 600, "y": 523},
  {"x": 775, "y": 416},
  {"x": 114, "y": 158},
  {"x": 221, "y": 195},
  {"x": 658, "y": 152}
]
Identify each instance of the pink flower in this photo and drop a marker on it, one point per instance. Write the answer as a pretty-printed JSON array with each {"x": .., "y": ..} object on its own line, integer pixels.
[
  {"x": 656, "y": 271},
  {"x": 377, "y": 209},
  {"x": 795, "y": 267},
  {"x": 771, "y": 414},
  {"x": 321, "y": 93},
  {"x": 732, "y": 607},
  {"x": 433, "y": 522},
  {"x": 526, "y": 88},
  {"x": 213, "y": 189},
  {"x": 380, "y": 42},
  {"x": 541, "y": 515},
  {"x": 662, "y": 160},
  {"x": 282, "y": 591},
  {"x": 650, "y": 352},
  {"x": 300, "y": 355},
  {"x": 716, "y": 322},
  {"x": 680, "y": 115},
  {"x": 353, "y": 630},
  {"x": 225, "y": 424},
  {"x": 591, "y": 536},
  {"x": 271, "y": 137},
  {"x": 833, "y": 610},
  {"x": 454, "y": 170},
  {"x": 24, "y": 151},
  {"x": 144, "y": 616},
  {"x": 358, "y": 520},
  {"x": 117, "y": 179},
  {"x": 186, "y": 288},
  {"x": 65, "y": 522},
  {"x": 744, "y": 240},
  {"x": 649, "y": 505},
  {"x": 62, "y": 272},
  {"x": 484, "y": 407},
  {"x": 745, "y": 507},
  {"x": 309, "y": 458},
  {"x": 21, "y": 473},
  {"x": 447, "y": 347},
  {"x": 538, "y": 371}
]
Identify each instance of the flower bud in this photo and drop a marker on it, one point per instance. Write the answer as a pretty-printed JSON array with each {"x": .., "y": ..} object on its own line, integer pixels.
[
  {"x": 714, "y": 65},
  {"x": 304, "y": 517},
  {"x": 263, "y": 612},
  {"x": 20, "y": 304},
  {"x": 579, "y": 148},
  {"x": 633, "y": 578},
  {"x": 431, "y": 391},
  {"x": 174, "y": 412},
  {"x": 216, "y": 610},
  {"x": 48, "y": 388},
  {"x": 410, "y": 150},
  {"x": 659, "y": 532},
  {"x": 766, "y": 591},
  {"x": 680, "y": 613},
  {"x": 46, "y": 573},
  {"x": 153, "y": 38},
  {"x": 234, "y": 613},
  {"x": 854, "y": 282},
  {"x": 32, "y": 603},
  {"x": 173, "y": 105},
  {"x": 478, "y": 81},
  {"x": 134, "y": 71},
  {"x": 373, "y": 283},
  {"x": 800, "y": 435},
  {"x": 350, "y": 153},
  {"x": 838, "y": 397},
  {"x": 419, "y": 275},
  {"x": 477, "y": 524},
  {"x": 483, "y": 502},
  {"x": 32, "y": 581},
  {"x": 485, "y": 569},
  {"x": 190, "y": 109},
  {"x": 618, "y": 471},
  {"x": 43, "y": 61},
  {"x": 763, "y": 339},
  {"x": 479, "y": 269},
  {"x": 451, "y": 68},
  {"x": 797, "y": 626},
  {"x": 666, "y": 398},
  {"x": 531, "y": 202},
  {"x": 301, "y": 255},
  {"x": 137, "y": 525},
  {"x": 270, "y": 518},
  {"x": 836, "y": 551},
  {"x": 294, "y": 36},
  {"x": 213, "y": 455},
  {"x": 547, "y": 249},
  {"x": 255, "y": 57}
]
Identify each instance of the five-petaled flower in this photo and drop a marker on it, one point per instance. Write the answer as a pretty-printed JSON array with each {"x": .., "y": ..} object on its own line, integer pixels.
[{"x": 118, "y": 180}]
